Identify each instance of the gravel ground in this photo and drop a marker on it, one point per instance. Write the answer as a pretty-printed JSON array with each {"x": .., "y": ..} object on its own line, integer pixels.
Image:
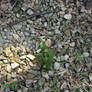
[{"x": 70, "y": 34}]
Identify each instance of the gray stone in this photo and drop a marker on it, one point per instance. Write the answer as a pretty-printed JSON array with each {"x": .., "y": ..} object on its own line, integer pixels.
[
  {"x": 62, "y": 58},
  {"x": 1, "y": 39},
  {"x": 29, "y": 82},
  {"x": 51, "y": 73},
  {"x": 46, "y": 89},
  {"x": 67, "y": 65},
  {"x": 17, "y": 27},
  {"x": 66, "y": 90},
  {"x": 16, "y": 36},
  {"x": 85, "y": 54},
  {"x": 91, "y": 50},
  {"x": 90, "y": 77},
  {"x": 41, "y": 81},
  {"x": 56, "y": 66},
  {"x": 57, "y": 31},
  {"x": 30, "y": 12},
  {"x": 27, "y": 34},
  {"x": 45, "y": 75}
]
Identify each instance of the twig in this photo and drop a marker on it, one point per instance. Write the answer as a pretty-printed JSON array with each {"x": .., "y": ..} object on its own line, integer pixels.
[{"x": 26, "y": 18}]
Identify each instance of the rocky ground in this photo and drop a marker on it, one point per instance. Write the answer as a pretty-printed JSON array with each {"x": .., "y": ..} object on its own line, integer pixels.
[{"x": 70, "y": 34}]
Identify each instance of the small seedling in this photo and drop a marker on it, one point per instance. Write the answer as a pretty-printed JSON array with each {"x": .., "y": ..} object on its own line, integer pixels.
[
  {"x": 45, "y": 57},
  {"x": 11, "y": 85},
  {"x": 80, "y": 58}
]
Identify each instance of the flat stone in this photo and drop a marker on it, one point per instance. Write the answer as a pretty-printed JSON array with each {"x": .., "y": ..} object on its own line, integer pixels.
[
  {"x": 27, "y": 34},
  {"x": 8, "y": 68},
  {"x": 6, "y": 61},
  {"x": 23, "y": 57},
  {"x": 14, "y": 65},
  {"x": 31, "y": 57}
]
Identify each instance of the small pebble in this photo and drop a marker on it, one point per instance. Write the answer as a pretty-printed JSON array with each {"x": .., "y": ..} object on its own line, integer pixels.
[
  {"x": 14, "y": 65},
  {"x": 67, "y": 65},
  {"x": 41, "y": 81},
  {"x": 66, "y": 57},
  {"x": 30, "y": 12},
  {"x": 56, "y": 66},
  {"x": 72, "y": 44},
  {"x": 85, "y": 54},
  {"x": 91, "y": 50},
  {"x": 68, "y": 16},
  {"x": 51, "y": 73},
  {"x": 31, "y": 57},
  {"x": 57, "y": 31},
  {"x": 8, "y": 68}
]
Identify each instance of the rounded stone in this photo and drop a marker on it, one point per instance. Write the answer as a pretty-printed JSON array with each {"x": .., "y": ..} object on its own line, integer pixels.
[
  {"x": 56, "y": 66},
  {"x": 85, "y": 54}
]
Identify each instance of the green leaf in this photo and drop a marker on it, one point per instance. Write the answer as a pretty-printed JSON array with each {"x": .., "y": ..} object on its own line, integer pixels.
[
  {"x": 80, "y": 58},
  {"x": 42, "y": 45},
  {"x": 47, "y": 65},
  {"x": 77, "y": 90},
  {"x": 13, "y": 85},
  {"x": 51, "y": 53},
  {"x": 90, "y": 89},
  {"x": 5, "y": 85},
  {"x": 39, "y": 58}
]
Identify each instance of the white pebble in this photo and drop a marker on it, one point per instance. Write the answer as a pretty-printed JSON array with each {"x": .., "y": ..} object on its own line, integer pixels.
[
  {"x": 85, "y": 54},
  {"x": 72, "y": 44},
  {"x": 14, "y": 65},
  {"x": 23, "y": 57},
  {"x": 68, "y": 16},
  {"x": 31, "y": 57},
  {"x": 66, "y": 57}
]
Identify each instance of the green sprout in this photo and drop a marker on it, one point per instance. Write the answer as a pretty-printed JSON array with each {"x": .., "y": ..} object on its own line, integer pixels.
[{"x": 45, "y": 57}]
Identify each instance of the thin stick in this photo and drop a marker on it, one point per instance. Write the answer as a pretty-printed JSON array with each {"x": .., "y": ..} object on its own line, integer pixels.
[{"x": 26, "y": 18}]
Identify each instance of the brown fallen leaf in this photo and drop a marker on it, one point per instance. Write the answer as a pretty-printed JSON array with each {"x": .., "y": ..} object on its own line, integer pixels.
[{"x": 48, "y": 42}]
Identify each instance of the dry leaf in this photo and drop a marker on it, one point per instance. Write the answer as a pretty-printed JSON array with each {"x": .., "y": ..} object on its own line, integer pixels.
[{"x": 48, "y": 42}]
